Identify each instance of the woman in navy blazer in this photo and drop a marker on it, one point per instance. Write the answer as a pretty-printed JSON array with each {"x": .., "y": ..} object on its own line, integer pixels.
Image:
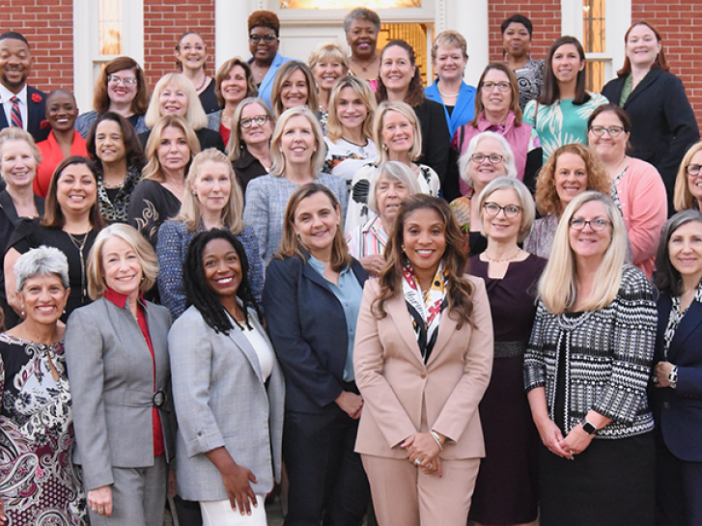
[
  {"x": 677, "y": 399},
  {"x": 312, "y": 296}
]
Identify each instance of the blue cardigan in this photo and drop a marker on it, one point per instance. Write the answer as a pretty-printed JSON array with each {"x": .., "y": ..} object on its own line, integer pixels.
[
  {"x": 464, "y": 110},
  {"x": 307, "y": 326}
]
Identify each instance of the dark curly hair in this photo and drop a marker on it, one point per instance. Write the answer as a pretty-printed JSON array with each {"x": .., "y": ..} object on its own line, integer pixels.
[
  {"x": 204, "y": 299},
  {"x": 455, "y": 258},
  {"x": 415, "y": 90},
  {"x": 264, "y": 19},
  {"x": 132, "y": 145}
]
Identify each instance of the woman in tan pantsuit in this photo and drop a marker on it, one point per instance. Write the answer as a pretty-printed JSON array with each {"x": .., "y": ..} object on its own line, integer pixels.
[{"x": 422, "y": 359}]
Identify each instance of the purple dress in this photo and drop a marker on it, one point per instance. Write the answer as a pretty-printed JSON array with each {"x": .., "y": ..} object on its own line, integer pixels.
[{"x": 507, "y": 485}]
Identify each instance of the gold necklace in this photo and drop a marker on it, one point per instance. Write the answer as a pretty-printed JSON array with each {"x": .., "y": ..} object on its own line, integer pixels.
[
  {"x": 80, "y": 246},
  {"x": 511, "y": 258}
]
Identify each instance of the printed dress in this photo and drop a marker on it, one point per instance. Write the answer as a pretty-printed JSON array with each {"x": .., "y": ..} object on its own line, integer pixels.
[{"x": 39, "y": 484}]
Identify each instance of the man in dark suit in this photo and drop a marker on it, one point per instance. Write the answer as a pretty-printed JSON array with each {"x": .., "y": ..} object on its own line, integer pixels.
[{"x": 22, "y": 105}]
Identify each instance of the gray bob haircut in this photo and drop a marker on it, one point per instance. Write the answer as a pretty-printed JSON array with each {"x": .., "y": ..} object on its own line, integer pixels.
[
  {"x": 362, "y": 13},
  {"x": 395, "y": 171},
  {"x": 505, "y": 182},
  {"x": 508, "y": 161},
  {"x": 41, "y": 261}
]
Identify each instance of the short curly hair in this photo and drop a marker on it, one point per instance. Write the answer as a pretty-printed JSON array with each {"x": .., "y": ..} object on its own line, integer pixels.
[
  {"x": 264, "y": 19},
  {"x": 547, "y": 200}
]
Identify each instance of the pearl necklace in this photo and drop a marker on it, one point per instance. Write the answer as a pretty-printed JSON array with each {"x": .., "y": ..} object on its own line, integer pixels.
[{"x": 448, "y": 96}]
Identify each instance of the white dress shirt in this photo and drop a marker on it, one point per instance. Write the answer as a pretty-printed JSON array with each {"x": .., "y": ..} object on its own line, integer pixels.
[{"x": 6, "y": 97}]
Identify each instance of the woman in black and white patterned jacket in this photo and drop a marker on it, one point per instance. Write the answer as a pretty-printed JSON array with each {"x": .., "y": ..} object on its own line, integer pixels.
[{"x": 586, "y": 369}]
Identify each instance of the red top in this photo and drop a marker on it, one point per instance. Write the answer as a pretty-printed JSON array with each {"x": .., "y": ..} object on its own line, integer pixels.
[
  {"x": 51, "y": 156},
  {"x": 120, "y": 300},
  {"x": 225, "y": 133}
]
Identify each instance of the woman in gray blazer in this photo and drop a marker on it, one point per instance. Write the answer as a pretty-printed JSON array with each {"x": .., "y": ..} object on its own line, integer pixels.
[
  {"x": 227, "y": 386},
  {"x": 117, "y": 357}
]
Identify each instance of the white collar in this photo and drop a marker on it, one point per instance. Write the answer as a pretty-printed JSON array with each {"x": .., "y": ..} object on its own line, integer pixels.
[{"x": 6, "y": 94}]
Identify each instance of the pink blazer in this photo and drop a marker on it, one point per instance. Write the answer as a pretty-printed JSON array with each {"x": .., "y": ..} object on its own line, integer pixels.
[{"x": 394, "y": 381}]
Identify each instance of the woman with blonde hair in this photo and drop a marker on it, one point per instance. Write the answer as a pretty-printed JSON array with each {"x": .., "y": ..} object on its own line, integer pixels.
[
  {"x": 249, "y": 146},
  {"x": 212, "y": 199},
  {"x": 349, "y": 137},
  {"x": 159, "y": 195},
  {"x": 570, "y": 171},
  {"x": 117, "y": 355},
  {"x": 586, "y": 371},
  {"x": 297, "y": 150},
  {"x": 328, "y": 64},
  {"x": 233, "y": 83},
  {"x": 293, "y": 86},
  {"x": 398, "y": 137},
  {"x": 174, "y": 95},
  {"x": 687, "y": 193}
]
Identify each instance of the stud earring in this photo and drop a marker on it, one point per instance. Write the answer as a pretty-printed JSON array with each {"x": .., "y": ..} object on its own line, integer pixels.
[{"x": 194, "y": 192}]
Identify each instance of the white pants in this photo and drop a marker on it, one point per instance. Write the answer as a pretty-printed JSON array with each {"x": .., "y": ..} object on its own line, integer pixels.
[{"x": 220, "y": 513}]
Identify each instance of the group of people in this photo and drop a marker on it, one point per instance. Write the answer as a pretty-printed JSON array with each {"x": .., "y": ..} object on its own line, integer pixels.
[{"x": 419, "y": 305}]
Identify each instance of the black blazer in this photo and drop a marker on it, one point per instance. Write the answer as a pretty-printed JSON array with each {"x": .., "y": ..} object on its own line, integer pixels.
[
  {"x": 663, "y": 125},
  {"x": 678, "y": 411},
  {"x": 36, "y": 113},
  {"x": 436, "y": 139},
  {"x": 308, "y": 329},
  {"x": 246, "y": 168},
  {"x": 208, "y": 139}
]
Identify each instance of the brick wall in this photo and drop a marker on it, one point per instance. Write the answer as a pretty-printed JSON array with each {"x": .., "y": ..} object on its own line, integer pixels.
[
  {"x": 48, "y": 26},
  {"x": 164, "y": 22}
]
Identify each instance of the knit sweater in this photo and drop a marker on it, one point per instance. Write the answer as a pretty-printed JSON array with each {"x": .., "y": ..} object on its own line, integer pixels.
[{"x": 608, "y": 359}]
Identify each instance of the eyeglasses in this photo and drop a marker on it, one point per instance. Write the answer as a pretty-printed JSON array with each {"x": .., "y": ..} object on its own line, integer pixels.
[
  {"x": 510, "y": 211},
  {"x": 116, "y": 81},
  {"x": 613, "y": 131},
  {"x": 260, "y": 120},
  {"x": 493, "y": 158},
  {"x": 597, "y": 225},
  {"x": 693, "y": 169},
  {"x": 266, "y": 38},
  {"x": 502, "y": 87}
]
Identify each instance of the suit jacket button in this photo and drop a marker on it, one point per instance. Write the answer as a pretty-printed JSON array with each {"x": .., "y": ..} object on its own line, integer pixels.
[{"x": 666, "y": 405}]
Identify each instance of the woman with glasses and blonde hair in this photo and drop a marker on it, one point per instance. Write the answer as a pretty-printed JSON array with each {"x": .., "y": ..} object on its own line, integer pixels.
[
  {"x": 398, "y": 137},
  {"x": 297, "y": 150},
  {"x": 293, "y": 86},
  {"x": 159, "y": 195},
  {"x": 121, "y": 88},
  {"x": 586, "y": 372},
  {"x": 233, "y": 83},
  {"x": 212, "y": 199},
  {"x": 506, "y": 490},
  {"x": 174, "y": 95},
  {"x": 637, "y": 188},
  {"x": 570, "y": 171},
  {"x": 349, "y": 137},
  {"x": 688, "y": 194},
  {"x": 249, "y": 146},
  {"x": 328, "y": 64}
]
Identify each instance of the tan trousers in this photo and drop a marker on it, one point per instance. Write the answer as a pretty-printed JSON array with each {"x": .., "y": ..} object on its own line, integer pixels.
[{"x": 404, "y": 495}]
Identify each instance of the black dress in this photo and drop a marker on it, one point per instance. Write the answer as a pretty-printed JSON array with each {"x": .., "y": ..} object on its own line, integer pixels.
[
  {"x": 151, "y": 204},
  {"x": 29, "y": 233},
  {"x": 506, "y": 490},
  {"x": 208, "y": 98}
]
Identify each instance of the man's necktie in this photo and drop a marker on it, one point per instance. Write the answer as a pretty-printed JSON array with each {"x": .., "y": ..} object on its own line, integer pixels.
[{"x": 16, "y": 114}]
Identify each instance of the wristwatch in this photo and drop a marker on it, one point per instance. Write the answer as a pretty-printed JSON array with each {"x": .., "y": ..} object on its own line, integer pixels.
[
  {"x": 588, "y": 426},
  {"x": 673, "y": 377}
]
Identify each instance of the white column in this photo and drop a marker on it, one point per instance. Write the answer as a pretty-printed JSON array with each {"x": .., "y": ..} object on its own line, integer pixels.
[
  {"x": 231, "y": 33},
  {"x": 471, "y": 20}
]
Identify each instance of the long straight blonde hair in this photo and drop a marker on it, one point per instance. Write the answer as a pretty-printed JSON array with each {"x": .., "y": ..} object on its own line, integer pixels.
[{"x": 557, "y": 286}]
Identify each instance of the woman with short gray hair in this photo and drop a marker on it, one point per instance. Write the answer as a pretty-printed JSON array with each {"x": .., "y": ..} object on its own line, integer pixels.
[
  {"x": 511, "y": 274},
  {"x": 37, "y": 419},
  {"x": 362, "y": 27}
]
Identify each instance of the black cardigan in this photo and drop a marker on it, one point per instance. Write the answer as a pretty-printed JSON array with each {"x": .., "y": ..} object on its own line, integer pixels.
[
  {"x": 436, "y": 139},
  {"x": 663, "y": 125}
]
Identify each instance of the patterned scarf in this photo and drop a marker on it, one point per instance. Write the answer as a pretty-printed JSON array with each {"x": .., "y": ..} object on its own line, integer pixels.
[{"x": 425, "y": 310}]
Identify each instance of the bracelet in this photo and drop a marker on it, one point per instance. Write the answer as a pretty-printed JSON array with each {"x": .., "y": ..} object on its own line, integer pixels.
[{"x": 436, "y": 438}]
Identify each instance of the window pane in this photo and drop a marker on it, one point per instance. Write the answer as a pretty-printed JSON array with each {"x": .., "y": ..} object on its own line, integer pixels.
[
  {"x": 595, "y": 70},
  {"x": 110, "y": 27},
  {"x": 347, "y": 4},
  {"x": 594, "y": 26}
]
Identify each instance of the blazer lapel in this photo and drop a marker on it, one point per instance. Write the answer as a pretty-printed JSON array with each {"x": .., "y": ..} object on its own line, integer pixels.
[
  {"x": 688, "y": 325},
  {"x": 447, "y": 328},
  {"x": 247, "y": 350},
  {"x": 649, "y": 79},
  {"x": 3, "y": 119},
  {"x": 397, "y": 309}
]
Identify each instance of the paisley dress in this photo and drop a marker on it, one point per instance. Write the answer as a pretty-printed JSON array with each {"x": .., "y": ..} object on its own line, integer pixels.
[{"x": 39, "y": 484}]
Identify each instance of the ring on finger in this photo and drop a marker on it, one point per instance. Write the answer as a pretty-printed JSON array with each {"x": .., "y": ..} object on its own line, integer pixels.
[
  {"x": 417, "y": 462},
  {"x": 430, "y": 466}
]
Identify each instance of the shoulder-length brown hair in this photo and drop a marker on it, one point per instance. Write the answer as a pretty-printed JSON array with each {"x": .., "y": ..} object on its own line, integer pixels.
[
  {"x": 415, "y": 90},
  {"x": 547, "y": 200},
  {"x": 282, "y": 75},
  {"x": 551, "y": 93},
  {"x": 132, "y": 146},
  {"x": 223, "y": 73},
  {"x": 292, "y": 246},
  {"x": 53, "y": 215},
  {"x": 514, "y": 90},
  {"x": 101, "y": 100},
  {"x": 455, "y": 258},
  {"x": 660, "y": 63}
]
